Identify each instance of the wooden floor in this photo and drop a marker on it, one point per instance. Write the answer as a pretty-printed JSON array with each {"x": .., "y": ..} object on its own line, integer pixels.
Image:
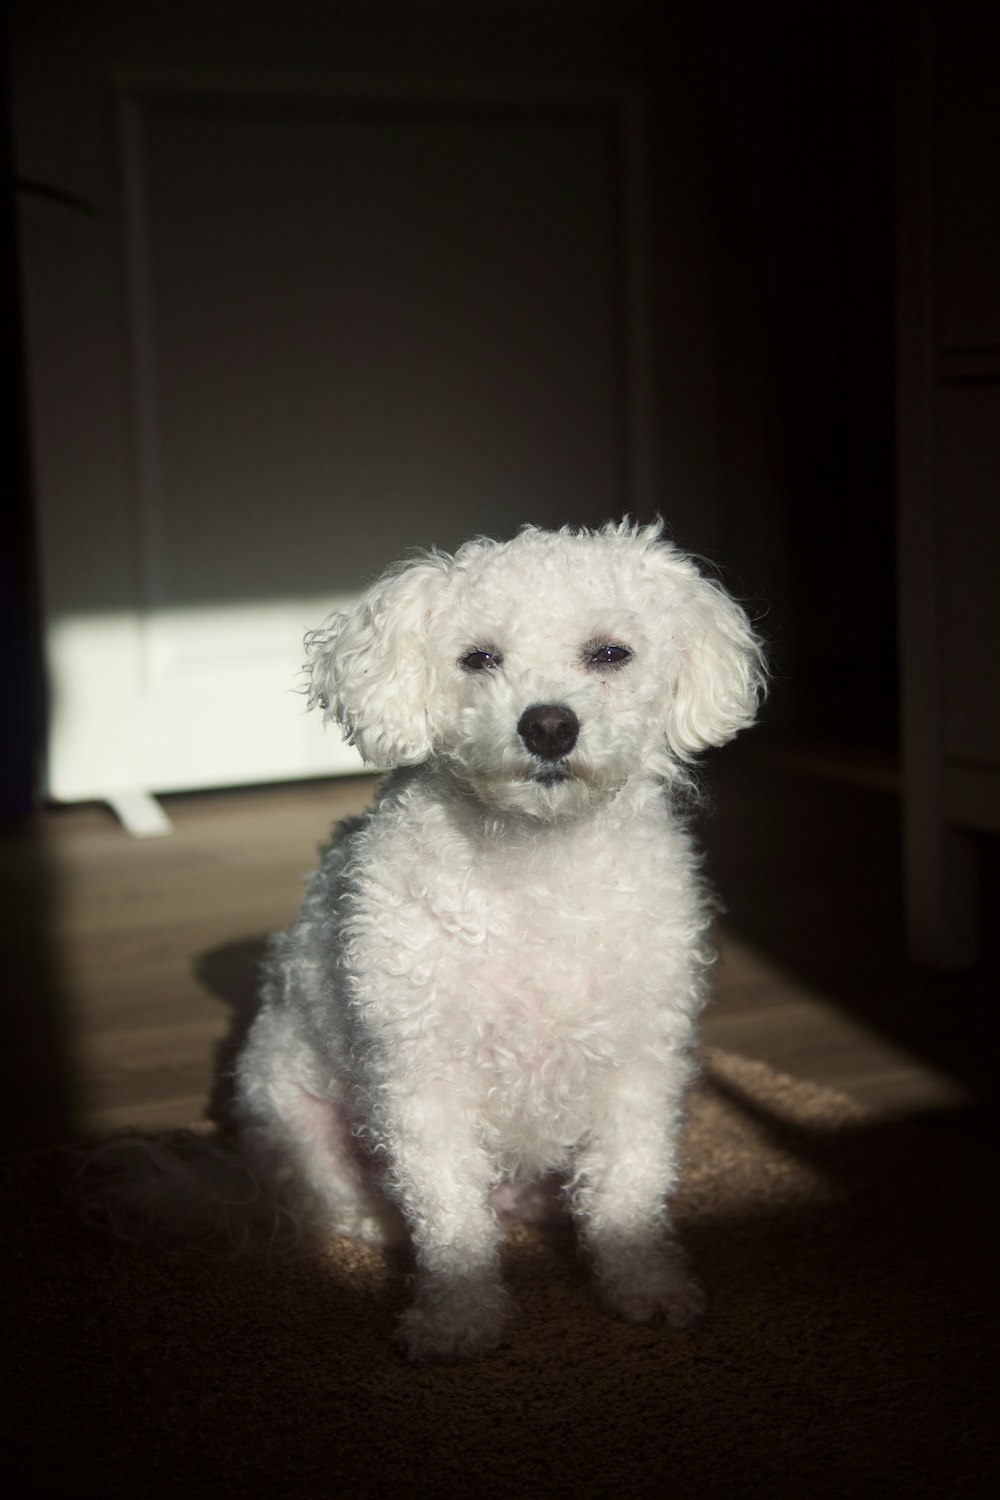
[{"x": 129, "y": 960}]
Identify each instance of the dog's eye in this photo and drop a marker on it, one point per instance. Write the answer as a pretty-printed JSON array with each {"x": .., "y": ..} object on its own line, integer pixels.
[
  {"x": 608, "y": 656},
  {"x": 481, "y": 661}
]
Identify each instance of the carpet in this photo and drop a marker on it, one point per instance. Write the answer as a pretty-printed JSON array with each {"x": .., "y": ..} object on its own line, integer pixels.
[{"x": 848, "y": 1350}]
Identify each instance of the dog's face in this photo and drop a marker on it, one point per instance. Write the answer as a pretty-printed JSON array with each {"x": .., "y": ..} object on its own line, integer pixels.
[
  {"x": 550, "y": 679},
  {"x": 546, "y": 670}
]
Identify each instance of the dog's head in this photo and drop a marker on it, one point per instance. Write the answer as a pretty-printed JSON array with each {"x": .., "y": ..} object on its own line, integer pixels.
[{"x": 546, "y": 670}]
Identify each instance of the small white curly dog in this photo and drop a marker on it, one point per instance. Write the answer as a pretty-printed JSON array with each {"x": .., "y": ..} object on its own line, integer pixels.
[{"x": 493, "y": 982}]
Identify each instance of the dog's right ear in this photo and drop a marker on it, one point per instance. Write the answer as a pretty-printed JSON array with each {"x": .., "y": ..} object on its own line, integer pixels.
[{"x": 369, "y": 667}]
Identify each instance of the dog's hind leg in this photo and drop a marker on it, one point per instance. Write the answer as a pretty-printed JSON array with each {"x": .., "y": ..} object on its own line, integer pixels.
[
  {"x": 536, "y": 1201},
  {"x": 298, "y": 1141}
]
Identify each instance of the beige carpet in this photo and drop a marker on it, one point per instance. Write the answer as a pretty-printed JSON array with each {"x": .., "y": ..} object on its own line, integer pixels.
[{"x": 848, "y": 1350}]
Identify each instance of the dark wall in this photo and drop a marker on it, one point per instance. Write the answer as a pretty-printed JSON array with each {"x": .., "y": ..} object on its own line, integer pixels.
[{"x": 803, "y": 179}]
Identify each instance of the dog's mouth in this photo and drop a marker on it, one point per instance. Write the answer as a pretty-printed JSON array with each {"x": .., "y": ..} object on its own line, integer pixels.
[
  {"x": 552, "y": 775},
  {"x": 551, "y": 790}
]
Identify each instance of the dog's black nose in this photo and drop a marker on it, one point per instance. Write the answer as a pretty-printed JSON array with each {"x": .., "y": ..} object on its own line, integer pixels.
[{"x": 549, "y": 730}]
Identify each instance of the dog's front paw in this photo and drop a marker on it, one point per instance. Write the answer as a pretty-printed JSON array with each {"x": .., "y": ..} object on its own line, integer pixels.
[
  {"x": 682, "y": 1304},
  {"x": 662, "y": 1294},
  {"x": 459, "y": 1321}
]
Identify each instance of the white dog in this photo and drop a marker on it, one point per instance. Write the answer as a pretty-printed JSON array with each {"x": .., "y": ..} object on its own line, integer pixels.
[{"x": 494, "y": 979}]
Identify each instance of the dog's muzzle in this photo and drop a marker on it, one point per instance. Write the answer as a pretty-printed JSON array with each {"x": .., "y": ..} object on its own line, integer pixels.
[{"x": 549, "y": 730}]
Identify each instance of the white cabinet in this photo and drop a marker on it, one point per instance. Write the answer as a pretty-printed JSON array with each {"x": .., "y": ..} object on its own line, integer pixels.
[{"x": 282, "y": 324}]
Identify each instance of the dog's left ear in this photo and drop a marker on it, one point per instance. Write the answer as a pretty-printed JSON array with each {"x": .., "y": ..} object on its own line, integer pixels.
[
  {"x": 369, "y": 666},
  {"x": 717, "y": 664}
]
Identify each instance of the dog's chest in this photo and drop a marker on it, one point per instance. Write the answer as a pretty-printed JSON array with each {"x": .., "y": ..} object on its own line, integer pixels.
[
  {"x": 529, "y": 966},
  {"x": 561, "y": 987},
  {"x": 522, "y": 979}
]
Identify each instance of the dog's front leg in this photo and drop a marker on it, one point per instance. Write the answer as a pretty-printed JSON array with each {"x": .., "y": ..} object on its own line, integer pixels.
[
  {"x": 623, "y": 1175},
  {"x": 442, "y": 1177}
]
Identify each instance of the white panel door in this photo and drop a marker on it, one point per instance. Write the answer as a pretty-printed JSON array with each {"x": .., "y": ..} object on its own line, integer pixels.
[{"x": 299, "y": 331}]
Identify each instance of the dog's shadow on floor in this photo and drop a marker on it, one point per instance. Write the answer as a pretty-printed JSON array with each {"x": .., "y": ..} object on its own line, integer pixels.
[{"x": 231, "y": 972}]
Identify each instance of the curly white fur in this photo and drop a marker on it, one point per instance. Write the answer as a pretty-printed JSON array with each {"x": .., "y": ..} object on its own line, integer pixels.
[{"x": 495, "y": 975}]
